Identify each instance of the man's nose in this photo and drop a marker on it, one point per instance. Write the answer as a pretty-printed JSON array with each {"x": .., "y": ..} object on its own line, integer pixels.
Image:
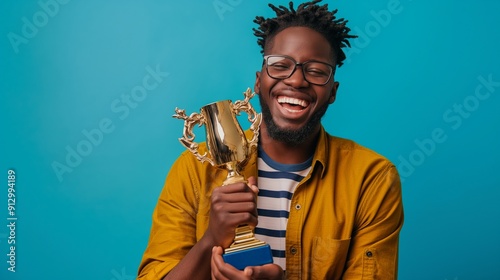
[{"x": 297, "y": 79}]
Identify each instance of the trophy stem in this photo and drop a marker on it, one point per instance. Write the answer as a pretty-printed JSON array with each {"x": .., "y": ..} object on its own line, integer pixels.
[
  {"x": 244, "y": 235},
  {"x": 244, "y": 239},
  {"x": 233, "y": 176}
]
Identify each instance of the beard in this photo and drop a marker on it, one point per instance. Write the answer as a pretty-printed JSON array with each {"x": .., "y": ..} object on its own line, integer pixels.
[{"x": 292, "y": 137}]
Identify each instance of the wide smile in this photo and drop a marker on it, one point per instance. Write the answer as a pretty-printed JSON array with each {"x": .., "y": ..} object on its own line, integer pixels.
[{"x": 291, "y": 104}]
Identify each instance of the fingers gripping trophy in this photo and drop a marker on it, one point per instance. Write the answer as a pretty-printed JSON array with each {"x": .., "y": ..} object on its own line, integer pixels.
[{"x": 228, "y": 148}]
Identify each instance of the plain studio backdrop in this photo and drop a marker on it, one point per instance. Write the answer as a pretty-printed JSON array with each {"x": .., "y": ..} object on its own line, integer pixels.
[{"x": 89, "y": 88}]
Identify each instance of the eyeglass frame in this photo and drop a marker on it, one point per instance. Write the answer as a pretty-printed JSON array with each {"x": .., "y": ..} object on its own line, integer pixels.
[{"x": 265, "y": 62}]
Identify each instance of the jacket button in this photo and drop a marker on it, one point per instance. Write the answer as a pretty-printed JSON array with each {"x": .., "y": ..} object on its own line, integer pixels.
[
  {"x": 293, "y": 250},
  {"x": 369, "y": 254}
]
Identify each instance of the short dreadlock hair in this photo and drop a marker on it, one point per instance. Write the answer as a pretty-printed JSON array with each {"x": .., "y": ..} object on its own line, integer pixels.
[{"x": 310, "y": 15}]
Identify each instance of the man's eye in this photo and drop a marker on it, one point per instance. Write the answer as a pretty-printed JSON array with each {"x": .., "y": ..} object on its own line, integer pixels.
[
  {"x": 277, "y": 66},
  {"x": 316, "y": 72}
]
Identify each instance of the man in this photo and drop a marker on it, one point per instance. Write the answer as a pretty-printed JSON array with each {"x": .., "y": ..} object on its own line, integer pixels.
[{"x": 329, "y": 208}]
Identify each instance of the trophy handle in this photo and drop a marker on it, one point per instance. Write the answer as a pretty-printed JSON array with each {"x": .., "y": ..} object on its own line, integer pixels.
[
  {"x": 253, "y": 117},
  {"x": 188, "y": 136}
]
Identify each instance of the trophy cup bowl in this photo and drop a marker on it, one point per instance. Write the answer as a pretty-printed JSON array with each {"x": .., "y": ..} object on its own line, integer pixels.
[{"x": 228, "y": 148}]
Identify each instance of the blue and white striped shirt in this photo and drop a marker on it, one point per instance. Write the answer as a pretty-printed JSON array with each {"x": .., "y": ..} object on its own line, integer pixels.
[{"x": 276, "y": 183}]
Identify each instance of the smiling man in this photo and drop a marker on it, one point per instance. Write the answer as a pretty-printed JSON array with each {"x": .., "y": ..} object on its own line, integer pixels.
[{"x": 328, "y": 207}]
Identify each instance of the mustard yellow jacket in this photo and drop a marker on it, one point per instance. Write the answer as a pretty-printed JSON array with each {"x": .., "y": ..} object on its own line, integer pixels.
[{"x": 344, "y": 223}]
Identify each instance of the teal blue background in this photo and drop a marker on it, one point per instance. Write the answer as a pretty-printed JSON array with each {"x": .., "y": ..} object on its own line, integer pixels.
[{"x": 395, "y": 91}]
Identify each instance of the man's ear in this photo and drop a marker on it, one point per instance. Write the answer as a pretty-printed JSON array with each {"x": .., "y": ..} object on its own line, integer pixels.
[
  {"x": 333, "y": 93},
  {"x": 256, "y": 86}
]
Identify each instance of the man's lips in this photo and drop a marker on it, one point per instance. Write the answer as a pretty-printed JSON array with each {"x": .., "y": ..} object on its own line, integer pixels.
[{"x": 292, "y": 104}]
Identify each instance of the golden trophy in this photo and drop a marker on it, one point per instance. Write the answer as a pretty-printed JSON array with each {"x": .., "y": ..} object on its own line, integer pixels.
[{"x": 229, "y": 148}]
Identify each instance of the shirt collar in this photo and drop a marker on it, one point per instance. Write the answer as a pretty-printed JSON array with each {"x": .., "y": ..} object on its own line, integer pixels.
[{"x": 320, "y": 154}]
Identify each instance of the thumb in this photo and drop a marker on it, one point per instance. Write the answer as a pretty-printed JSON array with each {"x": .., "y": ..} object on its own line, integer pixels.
[
  {"x": 252, "y": 183},
  {"x": 248, "y": 271},
  {"x": 267, "y": 271}
]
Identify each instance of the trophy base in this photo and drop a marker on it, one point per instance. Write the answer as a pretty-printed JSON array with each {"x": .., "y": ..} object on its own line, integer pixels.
[
  {"x": 249, "y": 257},
  {"x": 247, "y": 250}
]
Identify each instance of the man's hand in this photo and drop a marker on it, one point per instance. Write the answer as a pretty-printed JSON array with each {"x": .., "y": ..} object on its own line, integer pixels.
[
  {"x": 225, "y": 271},
  {"x": 231, "y": 206}
]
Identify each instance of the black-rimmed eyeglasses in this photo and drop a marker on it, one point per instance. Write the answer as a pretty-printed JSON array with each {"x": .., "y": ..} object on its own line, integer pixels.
[{"x": 283, "y": 67}]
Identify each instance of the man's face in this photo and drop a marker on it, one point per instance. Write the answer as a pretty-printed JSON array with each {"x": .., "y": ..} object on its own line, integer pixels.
[{"x": 293, "y": 107}]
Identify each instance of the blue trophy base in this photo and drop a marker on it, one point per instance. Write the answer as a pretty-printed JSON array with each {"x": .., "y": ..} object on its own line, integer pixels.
[{"x": 249, "y": 257}]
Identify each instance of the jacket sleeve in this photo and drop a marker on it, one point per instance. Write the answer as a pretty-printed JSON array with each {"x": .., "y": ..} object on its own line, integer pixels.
[
  {"x": 373, "y": 253},
  {"x": 173, "y": 230}
]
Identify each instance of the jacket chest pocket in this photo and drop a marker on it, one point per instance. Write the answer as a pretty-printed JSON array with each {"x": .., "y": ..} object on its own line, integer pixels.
[{"x": 328, "y": 257}]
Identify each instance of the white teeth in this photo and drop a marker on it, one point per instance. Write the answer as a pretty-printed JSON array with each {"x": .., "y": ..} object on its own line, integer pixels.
[{"x": 294, "y": 101}]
